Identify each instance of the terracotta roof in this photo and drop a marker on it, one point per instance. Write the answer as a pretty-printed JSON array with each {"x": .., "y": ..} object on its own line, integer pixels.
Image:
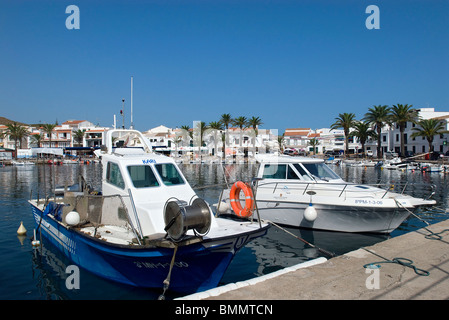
[
  {"x": 96, "y": 130},
  {"x": 442, "y": 117},
  {"x": 73, "y": 121}
]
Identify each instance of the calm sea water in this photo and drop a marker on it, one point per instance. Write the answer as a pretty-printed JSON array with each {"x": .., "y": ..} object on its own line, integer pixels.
[{"x": 31, "y": 274}]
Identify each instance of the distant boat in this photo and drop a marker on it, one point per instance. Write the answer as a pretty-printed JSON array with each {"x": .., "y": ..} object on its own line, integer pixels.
[{"x": 22, "y": 163}]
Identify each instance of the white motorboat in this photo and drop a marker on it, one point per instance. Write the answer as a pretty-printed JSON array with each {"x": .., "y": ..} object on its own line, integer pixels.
[{"x": 305, "y": 192}]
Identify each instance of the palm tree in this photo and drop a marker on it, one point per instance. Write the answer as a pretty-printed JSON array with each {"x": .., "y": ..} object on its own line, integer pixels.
[
  {"x": 48, "y": 128},
  {"x": 16, "y": 132},
  {"x": 37, "y": 139},
  {"x": 362, "y": 130},
  {"x": 401, "y": 114},
  {"x": 345, "y": 121},
  {"x": 226, "y": 120},
  {"x": 281, "y": 142},
  {"x": 215, "y": 127},
  {"x": 78, "y": 137},
  {"x": 313, "y": 143},
  {"x": 186, "y": 133},
  {"x": 429, "y": 128},
  {"x": 255, "y": 122},
  {"x": 379, "y": 116},
  {"x": 240, "y": 122},
  {"x": 201, "y": 129}
]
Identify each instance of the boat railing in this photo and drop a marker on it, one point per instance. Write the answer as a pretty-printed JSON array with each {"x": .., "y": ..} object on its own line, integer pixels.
[
  {"x": 341, "y": 187},
  {"x": 101, "y": 210}
]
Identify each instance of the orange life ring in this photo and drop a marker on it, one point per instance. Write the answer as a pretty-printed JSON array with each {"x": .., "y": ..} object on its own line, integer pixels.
[{"x": 247, "y": 211}]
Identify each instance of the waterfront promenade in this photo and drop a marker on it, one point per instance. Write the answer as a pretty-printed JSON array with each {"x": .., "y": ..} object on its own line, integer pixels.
[{"x": 345, "y": 278}]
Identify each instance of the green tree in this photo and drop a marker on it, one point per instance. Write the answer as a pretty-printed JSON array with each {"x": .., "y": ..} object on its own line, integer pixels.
[
  {"x": 186, "y": 135},
  {"x": 48, "y": 128},
  {"x": 215, "y": 127},
  {"x": 16, "y": 132},
  {"x": 429, "y": 128},
  {"x": 226, "y": 120},
  {"x": 345, "y": 121},
  {"x": 242, "y": 123},
  {"x": 200, "y": 131},
  {"x": 313, "y": 143},
  {"x": 378, "y": 116},
  {"x": 401, "y": 114},
  {"x": 362, "y": 130},
  {"x": 37, "y": 139},
  {"x": 255, "y": 122},
  {"x": 78, "y": 136},
  {"x": 281, "y": 141}
]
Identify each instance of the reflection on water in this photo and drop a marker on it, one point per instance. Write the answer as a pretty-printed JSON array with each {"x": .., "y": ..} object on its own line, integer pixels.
[{"x": 26, "y": 273}]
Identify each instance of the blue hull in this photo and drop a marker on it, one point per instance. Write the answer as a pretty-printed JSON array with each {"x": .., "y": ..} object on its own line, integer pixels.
[{"x": 197, "y": 267}]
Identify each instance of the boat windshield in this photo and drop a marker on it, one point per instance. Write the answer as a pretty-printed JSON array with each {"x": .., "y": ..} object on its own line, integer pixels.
[
  {"x": 169, "y": 174},
  {"x": 142, "y": 176},
  {"x": 321, "y": 171}
]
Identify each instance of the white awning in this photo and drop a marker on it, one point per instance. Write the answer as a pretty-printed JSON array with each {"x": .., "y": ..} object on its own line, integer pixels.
[{"x": 55, "y": 151}]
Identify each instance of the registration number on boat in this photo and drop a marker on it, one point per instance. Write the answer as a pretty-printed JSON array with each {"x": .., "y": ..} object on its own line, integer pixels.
[
  {"x": 147, "y": 161},
  {"x": 372, "y": 202}
]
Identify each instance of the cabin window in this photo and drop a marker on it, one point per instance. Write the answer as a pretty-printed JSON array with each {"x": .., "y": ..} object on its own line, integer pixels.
[
  {"x": 169, "y": 174},
  {"x": 274, "y": 171},
  {"x": 302, "y": 172},
  {"x": 142, "y": 176},
  {"x": 320, "y": 170},
  {"x": 291, "y": 174},
  {"x": 114, "y": 176}
]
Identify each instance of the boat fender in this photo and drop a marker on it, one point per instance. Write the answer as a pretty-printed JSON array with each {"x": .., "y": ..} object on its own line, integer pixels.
[
  {"x": 21, "y": 231},
  {"x": 310, "y": 213},
  {"x": 223, "y": 207},
  {"x": 72, "y": 218}
]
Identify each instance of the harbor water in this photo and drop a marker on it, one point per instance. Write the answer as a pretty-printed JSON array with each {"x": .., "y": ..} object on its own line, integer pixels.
[{"x": 28, "y": 273}]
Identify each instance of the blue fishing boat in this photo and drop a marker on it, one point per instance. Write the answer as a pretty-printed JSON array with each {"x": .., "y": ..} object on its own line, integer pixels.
[{"x": 146, "y": 227}]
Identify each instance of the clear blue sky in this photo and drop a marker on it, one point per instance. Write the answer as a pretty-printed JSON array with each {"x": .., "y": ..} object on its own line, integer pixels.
[{"x": 292, "y": 63}]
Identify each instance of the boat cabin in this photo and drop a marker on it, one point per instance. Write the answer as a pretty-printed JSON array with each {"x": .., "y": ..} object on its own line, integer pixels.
[
  {"x": 296, "y": 168},
  {"x": 143, "y": 179}
]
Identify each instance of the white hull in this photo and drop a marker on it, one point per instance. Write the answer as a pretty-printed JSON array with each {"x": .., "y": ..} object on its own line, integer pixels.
[{"x": 334, "y": 218}]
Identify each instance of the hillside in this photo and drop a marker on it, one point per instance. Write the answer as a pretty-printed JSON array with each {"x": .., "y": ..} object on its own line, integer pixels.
[{"x": 6, "y": 121}]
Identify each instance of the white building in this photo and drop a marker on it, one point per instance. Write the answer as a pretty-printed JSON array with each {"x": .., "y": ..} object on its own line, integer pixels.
[{"x": 391, "y": 136}]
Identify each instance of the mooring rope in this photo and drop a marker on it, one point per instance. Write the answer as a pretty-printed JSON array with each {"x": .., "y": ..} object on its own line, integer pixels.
[
  {"x": 167, "y": 280},
  {"x": 401, "y": 261},
  {"x": 432, "y": 235},
  {"x": 301, "y": 239}
]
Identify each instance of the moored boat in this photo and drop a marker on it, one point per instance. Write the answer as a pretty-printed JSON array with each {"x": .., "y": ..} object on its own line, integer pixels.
[
  {"x": 146, "y": 227},
  {"x": 305, "y": 192}
]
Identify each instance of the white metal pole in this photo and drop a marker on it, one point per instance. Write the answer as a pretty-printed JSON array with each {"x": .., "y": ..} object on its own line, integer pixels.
[{"x": 132, "y": 124}]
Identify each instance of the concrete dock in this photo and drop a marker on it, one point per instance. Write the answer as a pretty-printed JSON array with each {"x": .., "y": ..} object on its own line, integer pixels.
[{"x": 345, "y": 277}]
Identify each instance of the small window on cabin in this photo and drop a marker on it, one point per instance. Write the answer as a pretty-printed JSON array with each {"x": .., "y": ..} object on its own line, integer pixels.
[
  {"x": 291, "y": 174},
  {"x": 169, "y": 174},
  {"x": 114, "y": 176},
  {"x": 302, "y": 172},
  {"x": 275, "y": 171},
  {"x": 142, "y": 176}
]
